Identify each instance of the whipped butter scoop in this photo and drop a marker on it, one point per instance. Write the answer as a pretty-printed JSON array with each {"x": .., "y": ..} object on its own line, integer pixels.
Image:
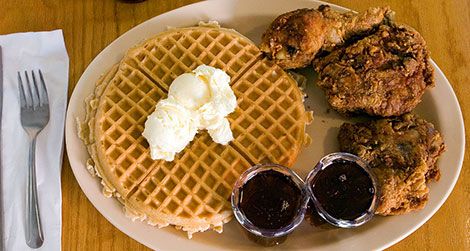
[{"x": 199, "y": 100}]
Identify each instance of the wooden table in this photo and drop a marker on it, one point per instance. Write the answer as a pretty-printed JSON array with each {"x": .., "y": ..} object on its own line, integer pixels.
[{"x": 89, "y": 26}]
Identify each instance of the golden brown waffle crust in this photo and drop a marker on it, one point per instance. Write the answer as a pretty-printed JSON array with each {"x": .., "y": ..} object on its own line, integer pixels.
[{"x": 88, "y": 129}]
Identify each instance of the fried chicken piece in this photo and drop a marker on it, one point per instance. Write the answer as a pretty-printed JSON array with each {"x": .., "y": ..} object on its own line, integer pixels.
[
  {"x": 383, "y": 74},
  {"x": 402, "y": 152},
  {"x": 294, "y": 38}
]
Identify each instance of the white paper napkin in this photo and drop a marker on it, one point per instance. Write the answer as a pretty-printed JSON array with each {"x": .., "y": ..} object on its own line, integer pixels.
[{"x": 28, "y": 51}]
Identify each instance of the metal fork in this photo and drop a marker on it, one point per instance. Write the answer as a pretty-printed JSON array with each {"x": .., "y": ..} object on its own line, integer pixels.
[{"x": 34, "y": 117}]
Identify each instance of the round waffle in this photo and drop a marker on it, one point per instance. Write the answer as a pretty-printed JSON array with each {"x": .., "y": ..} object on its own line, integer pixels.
[{"x": 192, "y": 192}]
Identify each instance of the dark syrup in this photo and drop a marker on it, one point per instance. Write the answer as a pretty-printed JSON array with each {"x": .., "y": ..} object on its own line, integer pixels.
[
  {"x": 270, "y": 200},
  {"x": 344, "y": 190}
]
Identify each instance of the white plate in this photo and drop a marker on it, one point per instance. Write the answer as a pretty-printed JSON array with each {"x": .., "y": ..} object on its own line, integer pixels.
[{"x": 440, "y": 106}]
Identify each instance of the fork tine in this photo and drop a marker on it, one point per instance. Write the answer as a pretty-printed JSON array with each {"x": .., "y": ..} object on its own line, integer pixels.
[
  {"x": 21, "y": 90},
  {"x": 29, "y": 98},
  {"x": 36, "y": 91},
  {"x": 43, "y": 89}
]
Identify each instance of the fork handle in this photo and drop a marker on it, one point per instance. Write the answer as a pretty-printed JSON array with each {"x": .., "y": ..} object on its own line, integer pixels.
[{"x": 34, "y": 235}]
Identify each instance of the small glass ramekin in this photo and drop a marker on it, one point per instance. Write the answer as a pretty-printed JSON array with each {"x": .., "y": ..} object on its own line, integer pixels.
[
  {"x": 323, "y": 164},
  {"x": 268, "y": 237}
]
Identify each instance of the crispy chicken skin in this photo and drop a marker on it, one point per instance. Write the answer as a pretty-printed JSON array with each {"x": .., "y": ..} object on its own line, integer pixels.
[
  {"x": 294, "y": 38},
  {"x": 383, "y": 74},
  {"x": 402, "y": 152}
]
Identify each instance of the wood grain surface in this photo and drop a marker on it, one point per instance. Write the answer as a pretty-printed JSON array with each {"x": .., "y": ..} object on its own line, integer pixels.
[{"x": 89, "y": 26}]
